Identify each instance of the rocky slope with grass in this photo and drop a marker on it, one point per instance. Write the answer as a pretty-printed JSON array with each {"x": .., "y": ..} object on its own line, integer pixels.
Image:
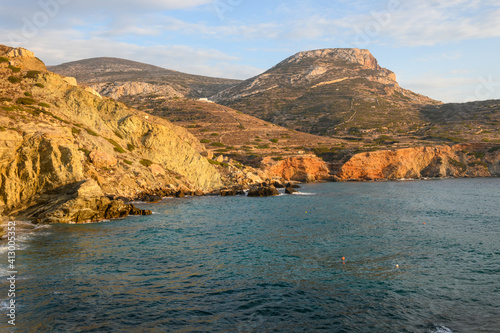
[
  {"x": 66, "y": 152},
  {"x": 118, "y": 77},
  {"x": 328, "y": 92}
]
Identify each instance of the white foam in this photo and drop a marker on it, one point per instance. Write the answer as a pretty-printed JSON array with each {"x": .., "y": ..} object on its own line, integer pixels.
[
  {"x": 441, "y": 329},
  {"x": 303, "y": 193}
]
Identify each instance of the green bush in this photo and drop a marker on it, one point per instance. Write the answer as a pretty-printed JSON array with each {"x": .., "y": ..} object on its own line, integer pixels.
[
  {"x": 14, "y": 69},
  {"x": 44, "y": 105},
  {"x": 25, "y": 101},
  {"x": 3, "y": 59},
  {"x": 13, "y": 79},
  {"x": 146, "y": 162},
  {"x": 130, "y": 147},
  {"x": 75, "y": 130},
  {"x": 39, "y": 85},
  {"x": 205, "y": 141},
  {"x": 274, "y": 140},
  {"x": 32, "y": 74},
  {"x": 217, "y": 144},
  {"x": 5, "y": 99},
  {"x": 28, "y": 94},
  {"x": 127, "y": 162},
  {"x": 214, "y": 134}
]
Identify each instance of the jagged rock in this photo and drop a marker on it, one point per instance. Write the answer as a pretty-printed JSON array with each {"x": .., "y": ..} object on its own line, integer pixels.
[
  {"x": 227, "y": 193},
  {"x": 292, "y": 185},
  {"x": 77, "y": 203},
  {"x": 278, "y": 185},
  {"x": 263, "y": 191},
  {"x": 290, "y": 190}
]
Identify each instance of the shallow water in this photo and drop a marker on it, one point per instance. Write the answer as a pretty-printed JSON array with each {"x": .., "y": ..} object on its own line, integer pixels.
[{"x": 244, "y": 264}]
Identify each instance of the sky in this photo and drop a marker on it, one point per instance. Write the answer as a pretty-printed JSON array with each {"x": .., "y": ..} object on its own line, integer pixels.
[{"x": 445, "y": 49}]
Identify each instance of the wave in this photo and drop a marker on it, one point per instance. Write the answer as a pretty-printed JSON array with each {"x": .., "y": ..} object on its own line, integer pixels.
[{"x": 441, "y": 329}]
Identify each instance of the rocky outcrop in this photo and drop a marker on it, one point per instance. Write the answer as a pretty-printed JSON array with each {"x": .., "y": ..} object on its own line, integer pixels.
[
  {"x": 118, "y": 90},
  {"x": 307, "y": 168},
  {"x": 263, "y": 190},
  {"x": 65, "y": 151},
  {"x": 81, "y": 202},
  {"x": 465, "y": 160}
]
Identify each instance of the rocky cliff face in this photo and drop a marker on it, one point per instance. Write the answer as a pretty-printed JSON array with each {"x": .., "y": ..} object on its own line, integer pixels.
[
  {"x": 64, "y": 149},
  {"x": 465, "y": 160},
  {"x": 298, "y": 168},
  {"x": 327, "y": 92}
]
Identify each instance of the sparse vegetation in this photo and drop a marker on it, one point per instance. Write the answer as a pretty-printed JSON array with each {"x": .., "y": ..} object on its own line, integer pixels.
[
  {"x": 25, "y": 101},
  {"x": 205, "y": 141},
  {"x": 130, "y": 147},
  {"x": 458, "y": 164},
  {"x": 44, "y": 105},
  {"x": 217, "y": 144},
  {"x": 39, "y": 85},
  {"x": 32, "y": 74},
  {"x": 274, "y": 140},
  {"x": 91, "y": 132},
  {"x": 118, "y": 134},
  {"x": 4, "y": 59},
  {"x": 13, "y": 79},
  {"x": 127, "y": 162},
  {"x": 146, "y": 162},
  {"x": 117, "y": 148},
  {"x": 75, "y": 130},
  {"x": 14, "y": 69},
  {"x": 28, "y": 94}
]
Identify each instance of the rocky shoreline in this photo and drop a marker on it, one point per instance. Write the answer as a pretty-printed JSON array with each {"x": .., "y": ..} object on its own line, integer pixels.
[{"x": 69, "y": 155}]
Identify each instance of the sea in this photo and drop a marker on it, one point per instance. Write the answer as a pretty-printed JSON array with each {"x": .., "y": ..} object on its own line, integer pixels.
[{"x": 399, "y": 256}]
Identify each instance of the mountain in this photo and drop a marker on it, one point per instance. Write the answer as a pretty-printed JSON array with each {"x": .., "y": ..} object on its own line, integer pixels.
[
  {"x": 329, "y": 92},
  {"x": 66, "y": 152},
  {"x": 115, "y": 73}
]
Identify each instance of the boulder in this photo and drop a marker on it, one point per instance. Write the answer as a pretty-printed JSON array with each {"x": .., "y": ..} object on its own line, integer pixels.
[
  {"x": 227, "y": 193},
  {"x": 290, "y": 190},
  {"x": 263, "y": 191},
  {"x": 102, "y": 160}
]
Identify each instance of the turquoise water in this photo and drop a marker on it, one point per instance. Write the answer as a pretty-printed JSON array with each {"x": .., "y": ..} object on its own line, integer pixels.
[{"x": 244, "y": 264}]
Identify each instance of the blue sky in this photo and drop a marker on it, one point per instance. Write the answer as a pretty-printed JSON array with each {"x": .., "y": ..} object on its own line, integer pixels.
[{"x": 445, "y": 49}]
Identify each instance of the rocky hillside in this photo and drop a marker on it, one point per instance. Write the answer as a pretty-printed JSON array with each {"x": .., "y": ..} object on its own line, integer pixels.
[
  {"x": 118, "y": 77},
  {"x": 465, "y": 160},
  {"x": 461, "y": 122},
  {"x": 65, "y": 150},
  {"x": 329, "y": 92}
]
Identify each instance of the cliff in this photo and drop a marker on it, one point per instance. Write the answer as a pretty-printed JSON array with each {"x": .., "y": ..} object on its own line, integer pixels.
[
  {"x": 298, "y": 168},
  {"x": 465, "y": 160},
  {"x": 65, "y": 150}
]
